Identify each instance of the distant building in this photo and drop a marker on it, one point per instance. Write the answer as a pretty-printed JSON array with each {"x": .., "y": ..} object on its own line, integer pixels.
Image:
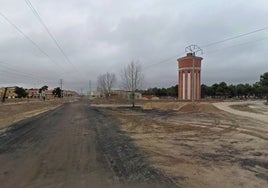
[
  {"x": 117, "y": 94},
  {"x": 189, "y": 77},
  {"x": 69, "y": 93},
  {"x": 147, "y": 97},
  {"x": 2, "y": 91},
  {"x": 150, "y": 97},
  {"x": 49, "y": 94},
  {"x": 126, "y": 94},
  {"x": 33, "y": 93},
  {"x": 10, "y": 94}
]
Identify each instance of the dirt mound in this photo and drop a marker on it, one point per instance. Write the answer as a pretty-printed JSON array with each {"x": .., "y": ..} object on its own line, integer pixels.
[
  {"x": 163, "y": 105},
  {"x": 199, "y": 107},
  {"x": 181, "y": 106}
]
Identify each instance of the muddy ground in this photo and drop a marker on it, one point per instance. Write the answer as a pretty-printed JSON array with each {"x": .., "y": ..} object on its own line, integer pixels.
[
  {"x": 199, "y": 146},
  {"x": 74, "y": 145}
]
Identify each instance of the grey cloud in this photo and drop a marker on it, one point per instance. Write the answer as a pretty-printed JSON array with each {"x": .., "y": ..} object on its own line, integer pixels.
[{"x": 101, "y": 36}]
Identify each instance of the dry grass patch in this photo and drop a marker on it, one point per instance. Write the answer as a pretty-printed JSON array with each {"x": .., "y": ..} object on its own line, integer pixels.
[
  {"x": 245, "y": 108},
  {"x": 14, "y": 112},
  {"x": 163, "y": 105},
  {"x": 199, "y": 145}
]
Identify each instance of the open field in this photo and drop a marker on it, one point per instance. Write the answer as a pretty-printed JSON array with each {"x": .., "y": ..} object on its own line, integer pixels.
[
  {"x": 200, "y": 145},
  {"x": 74, "y": 145},
  {"x": 158, "y": 142}
]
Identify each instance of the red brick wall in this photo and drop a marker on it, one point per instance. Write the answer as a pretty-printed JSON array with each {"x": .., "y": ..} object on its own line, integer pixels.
[{"x": 185, "y": 65}]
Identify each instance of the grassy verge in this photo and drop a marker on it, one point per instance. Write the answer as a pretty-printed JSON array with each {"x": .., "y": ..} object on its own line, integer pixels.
[{"x": 13, "y": 112}]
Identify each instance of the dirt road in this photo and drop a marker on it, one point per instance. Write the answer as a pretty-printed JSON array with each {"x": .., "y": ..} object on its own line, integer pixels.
[
  {"x": 256, "y": 104},
  {"x": 73, "y": 146}
]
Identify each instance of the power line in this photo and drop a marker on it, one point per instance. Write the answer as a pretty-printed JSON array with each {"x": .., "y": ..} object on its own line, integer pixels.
[
  {"x": 163, "y": 61},
  {"x": 240, "y": 44},
  {"x": 37, "y": 15},
  {"x": 14, "y": 71},
  {"x": 11, "y": 77},
  {"x": 209, "y": 45},
  {"x": 234, "y": 37},
  {"x": 29, "y": 39},
  {"x": 6, "y": 66},
  {"x": 11, "y": 73},
  {"x": 19, "y": 76},
  {"x": 32, "y": 42}
]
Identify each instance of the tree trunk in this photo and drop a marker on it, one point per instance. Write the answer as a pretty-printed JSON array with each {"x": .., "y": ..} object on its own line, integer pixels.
[
  {"x": 4, "y": 96},
  {"x": 133, "y": 99}
]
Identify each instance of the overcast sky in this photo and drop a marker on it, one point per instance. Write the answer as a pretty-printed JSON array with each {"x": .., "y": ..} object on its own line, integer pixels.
[{"x": 99, "y": 36}]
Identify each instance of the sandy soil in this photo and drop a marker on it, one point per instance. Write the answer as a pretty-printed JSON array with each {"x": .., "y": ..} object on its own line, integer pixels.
[
  {"x": 257, "y": 110},
  {"x": 55, "y": 149},
  {"x": 14, "y": 112},
  {"x": 189, "y": 145},
  {"x": 74, "y": 145},
  {"x": 200, "y": 145}
]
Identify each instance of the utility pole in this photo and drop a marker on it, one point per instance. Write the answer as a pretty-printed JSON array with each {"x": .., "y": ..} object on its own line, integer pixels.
[
  {"x": 4, "y": 95},
  {"x": 193, "y": 49},
  {"x": 61, "y": 91},
  {"x": 89, "y": 89}
]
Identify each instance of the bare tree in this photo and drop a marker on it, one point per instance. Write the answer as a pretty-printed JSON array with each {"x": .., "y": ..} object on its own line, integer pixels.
[
  {"x": 132, "y": 78},
  {"x": 105, "y": 83}
]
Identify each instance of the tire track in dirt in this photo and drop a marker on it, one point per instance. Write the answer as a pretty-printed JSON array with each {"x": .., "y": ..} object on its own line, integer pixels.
[
  {"x": 124, "y": 157},
  {"x": 200, "y": 149},
  {"x": 72, "y": 146},
  {"x": 56, "y": 149}
]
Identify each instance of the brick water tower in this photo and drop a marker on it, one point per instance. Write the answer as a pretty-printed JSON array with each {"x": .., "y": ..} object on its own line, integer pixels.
[{"x": 190, "y": 75}]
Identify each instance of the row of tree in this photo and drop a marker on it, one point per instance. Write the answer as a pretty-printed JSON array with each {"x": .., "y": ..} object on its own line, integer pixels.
[
  {"x": 105, "y": 83},
  {"x": 162, "y": 92},
  {"x": 22, "y": 92},
  {"x": 131, "y": 80},
  {"x": 222, "y": 90}
]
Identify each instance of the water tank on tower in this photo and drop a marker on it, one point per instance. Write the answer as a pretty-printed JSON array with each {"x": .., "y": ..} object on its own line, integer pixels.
[{"x": 189, "y": 77}]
